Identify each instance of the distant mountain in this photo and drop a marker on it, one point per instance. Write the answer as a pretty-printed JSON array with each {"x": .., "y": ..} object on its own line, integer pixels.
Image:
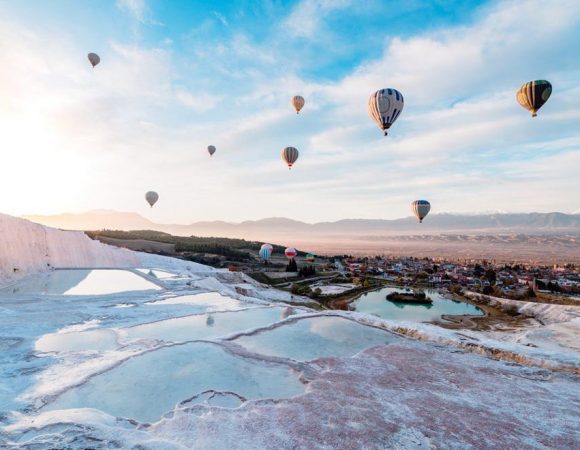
[{"x": 534, "y": 223}]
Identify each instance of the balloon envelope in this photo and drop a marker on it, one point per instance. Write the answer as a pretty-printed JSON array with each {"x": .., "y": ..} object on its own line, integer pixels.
[
  {"x": 289, "y": 155},
  {"x": 533, "y": 94},
  {"x": 385, "y": 106},
  {"x": 94, "y": 59},
  {"x": 265, "y": 252},
  {"x": 309, "y": 257},
  {"x": 298, "y": 103},
  {"x": 290, "y": 252},
  {"x": 211, "y": 150},
  {"x": 420, "y": 208},
  {"x": 151, "y": 197}
]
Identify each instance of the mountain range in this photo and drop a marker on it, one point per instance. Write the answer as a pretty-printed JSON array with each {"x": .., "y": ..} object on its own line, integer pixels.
[
  {"x": 530, "y": 223},
  {"x": 546, "y": 237}
]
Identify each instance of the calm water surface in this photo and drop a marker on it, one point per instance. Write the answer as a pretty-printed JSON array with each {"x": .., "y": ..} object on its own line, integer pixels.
[{"x": 376, "y": 303}]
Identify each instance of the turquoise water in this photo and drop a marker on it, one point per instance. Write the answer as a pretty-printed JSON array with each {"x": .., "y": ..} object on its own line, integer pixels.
[
  {"x": 316, "y": 337},
  {"x": 145, "y": 387},
  {"x": 204, "y": 326},
  {"x": 376, "y": 303}
]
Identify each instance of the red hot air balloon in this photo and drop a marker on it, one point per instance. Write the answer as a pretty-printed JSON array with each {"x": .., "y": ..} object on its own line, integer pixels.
[{"x": 290, "y": 252}]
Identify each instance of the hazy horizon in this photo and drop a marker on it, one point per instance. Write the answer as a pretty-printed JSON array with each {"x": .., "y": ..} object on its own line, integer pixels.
[
  {"x": 175, "y": 78},
  {"x": 105, "y": 212}
]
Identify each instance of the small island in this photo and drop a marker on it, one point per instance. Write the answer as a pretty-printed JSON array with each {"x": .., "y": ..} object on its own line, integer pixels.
[{"x": 409, "y": 297}]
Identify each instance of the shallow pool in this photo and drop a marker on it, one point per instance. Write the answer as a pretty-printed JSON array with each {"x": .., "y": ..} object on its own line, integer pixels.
[
  {"x": 311, "y": 338},
  {"x": 147, "y": 386},
  {"x": 92, "y": 340},
  {"x": 81, "y": 282},
  {"x": 204, "y": 326},
  {"x": 212, "y": 301},
  {"x": 375, "y": 303}
]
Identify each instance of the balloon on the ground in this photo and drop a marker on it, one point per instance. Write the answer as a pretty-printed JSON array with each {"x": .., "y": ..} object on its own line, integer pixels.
[
  {"x": 298, "y": 103},
  {"x": 309, "y": 257},
  {"x": 420, "y": 208},
  {"x": 289, "y": 155},
  {"x": 533, "y": 94},
  {"x": 94, "y": 59},
  {"x": 151, "y": 197},
  {"x": 265, "y": 252},
  {"x": 211, "y": 150},
  {"x": 290, "y": 252},
  {"x": 385, "y": 106}
]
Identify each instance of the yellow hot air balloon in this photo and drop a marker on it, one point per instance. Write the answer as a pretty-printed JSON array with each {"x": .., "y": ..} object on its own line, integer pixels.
[
  {"x": 298, "y": 103},
  {"x": 289, "y": 155},
  {"x": 533, "y": 94},
  {"x": 94, "y": 59}
]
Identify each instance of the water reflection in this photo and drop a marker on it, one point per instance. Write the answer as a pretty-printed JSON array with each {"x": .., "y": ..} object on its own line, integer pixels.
[
  {"x": 81, "y": 282},
  {"x": 375, "y": 303}
]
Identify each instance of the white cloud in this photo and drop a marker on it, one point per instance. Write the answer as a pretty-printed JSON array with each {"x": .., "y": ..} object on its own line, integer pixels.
[
  {"x": 137, "y": 8},
  {"x": 143, "y": 119},
  {"x": 305, "y": 19}
]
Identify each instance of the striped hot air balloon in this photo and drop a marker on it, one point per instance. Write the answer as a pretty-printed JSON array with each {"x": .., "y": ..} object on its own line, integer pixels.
[
  {"x": 420, "y": 208},
  {"x": 385, "y": 106},
  {"x": 533, "y": 94},
  {"x": 290, "y": 252},
  {"x": 211, "y": 150},
  {"x": 289, "y": 155},
  {"x": 298, "y": 103},
  {"x": 309, "y": 257},
  {"x": 94, "y": 59},
  {"x": 265, "y": 252}
]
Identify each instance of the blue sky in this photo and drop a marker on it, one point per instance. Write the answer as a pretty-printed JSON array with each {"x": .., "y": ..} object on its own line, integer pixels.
[{"x": 179, "y": 75}]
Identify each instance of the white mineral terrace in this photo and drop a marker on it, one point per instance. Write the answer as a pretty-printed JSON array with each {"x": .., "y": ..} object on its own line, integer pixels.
[{"x": 126, "y": 349}]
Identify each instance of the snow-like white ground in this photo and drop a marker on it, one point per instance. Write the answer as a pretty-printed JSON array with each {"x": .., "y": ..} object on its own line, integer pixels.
[
  {"x": 331, "y": 289},
  {"x": 211, "y": 359}
]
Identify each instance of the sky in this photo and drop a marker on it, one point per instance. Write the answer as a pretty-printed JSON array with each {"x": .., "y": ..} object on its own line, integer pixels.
[{"x": 178, "y": 76}]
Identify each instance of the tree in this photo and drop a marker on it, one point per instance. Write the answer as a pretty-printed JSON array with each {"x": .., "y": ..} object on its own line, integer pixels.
[
  {"x": 292, "y": 266},
  {"x": 491, "y": 276}
]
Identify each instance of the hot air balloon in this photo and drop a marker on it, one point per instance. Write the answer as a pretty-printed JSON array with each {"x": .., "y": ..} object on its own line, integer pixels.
[
  {"x": 94, "y": 59},
  {"x": 420, "y": 208},
  {"x": 290, "y": 252},
  {"x": 533, "y": 94},
  {"x": 265, "y": 252},
  {"x": 298, "y": 103},
  {"x": 211, "y": 150},
  {"x": 289, "y": 155},
  {"x": 309, "y": 257},
  {"x": 151, "y": 197},
  {"x": 385, "y": 106}
]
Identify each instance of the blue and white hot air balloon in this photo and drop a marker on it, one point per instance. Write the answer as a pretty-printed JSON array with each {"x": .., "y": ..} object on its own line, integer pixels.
[
  {"x": 265, "y": 252},
  {"x": 420, "y": 208},
  {"x": 385, "y": 106}
]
